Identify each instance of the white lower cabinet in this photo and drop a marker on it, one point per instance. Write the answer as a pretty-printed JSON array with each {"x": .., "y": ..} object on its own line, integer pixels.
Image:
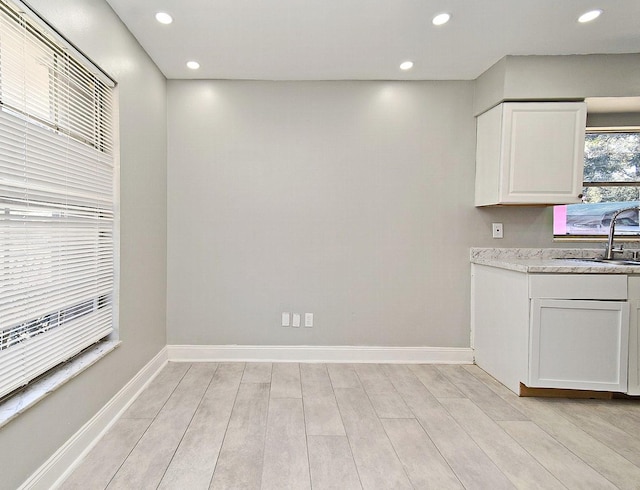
[
  {"x": 634, "y": 336},
  {"x": 578, "y": 344},
  {"x": 568, "y": 331}
]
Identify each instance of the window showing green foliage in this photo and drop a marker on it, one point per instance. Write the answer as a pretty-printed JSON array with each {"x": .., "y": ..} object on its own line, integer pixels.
[{"x": 611, "y": 164}]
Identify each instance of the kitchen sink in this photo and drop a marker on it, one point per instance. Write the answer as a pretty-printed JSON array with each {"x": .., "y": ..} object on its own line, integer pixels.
[{"x": 605, "y": 261}]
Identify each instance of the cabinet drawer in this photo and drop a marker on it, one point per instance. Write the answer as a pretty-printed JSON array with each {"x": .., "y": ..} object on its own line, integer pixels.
[{"x": 578, "y": 286}]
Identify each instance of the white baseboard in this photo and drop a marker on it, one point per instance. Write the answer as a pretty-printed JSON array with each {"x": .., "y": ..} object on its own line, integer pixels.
[
  {"x": 59, "y": 466},
  {"x": 308, "y": 353}
]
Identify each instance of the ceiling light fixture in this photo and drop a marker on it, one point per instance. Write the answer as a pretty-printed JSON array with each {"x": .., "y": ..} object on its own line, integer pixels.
[
  {"x": 589, "y": 16},
  {"x": 406, "y": 65},
  {"x": 193, "y": 65},
  {"x": 164, "y": 18},
  {"x": 441, "y": 19}
]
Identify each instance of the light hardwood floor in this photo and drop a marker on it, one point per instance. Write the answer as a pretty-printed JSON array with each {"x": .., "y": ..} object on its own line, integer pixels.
[{"x": 350, "y": 426}]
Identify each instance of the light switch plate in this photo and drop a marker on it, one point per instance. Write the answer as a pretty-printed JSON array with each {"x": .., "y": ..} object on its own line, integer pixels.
[
  {"x": 308, "y": 319},
  {"x": 296, "y": 320}
]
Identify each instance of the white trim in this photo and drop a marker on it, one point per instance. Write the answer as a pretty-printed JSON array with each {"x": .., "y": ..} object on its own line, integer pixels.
[
  {"x": 40, "y": 388},
  {"x": 60, "y": 465},
  {"x": 310, "y": 353}
]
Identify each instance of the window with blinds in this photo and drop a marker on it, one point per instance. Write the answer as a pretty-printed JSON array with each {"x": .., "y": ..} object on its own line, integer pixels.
[{"x": 56, "y": 201}]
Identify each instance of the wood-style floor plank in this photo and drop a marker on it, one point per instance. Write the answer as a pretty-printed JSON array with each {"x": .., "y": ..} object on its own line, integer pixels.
[
  {"x": 435, "y": 381},
  {"x": 494, "y": 406},
  {"x": 589, "y": 420},
  {"x": 490, "y": 382},
  {"x": 422, "y": 461},
  {"x": 148, "y": 461},
  {"x": 343, "y": 376},
  {"x": 617, "y": 469},
  {"x": 410, "y": 388},
  {"x": 610, "y": 464},
  {"x": 518, "y": 465},
  {"x": 285, "y": 380},
  {"x": 376, "y": 460},
  {"x": 624, "y": 414},
  {"x": 154, "y": 396},
  {"x": 385, "y": 399},
  {"x": 286, "y": 464},
  {"x": 373, "y": 380},
  {"x": 390, "y": 406},
  {"x": 557, "y": 459},
  {"x": 242, "y": 453},
  {"x": 315, "y": 380},
  {"x": 322, "y": 417},
  {"x": 471, "y": 465},
  {"x": 332, "y": 465},
  {"x": 193, "y": 464},
  {"x": 257, "y": 372},
  {"x": 103, "y": 461}
]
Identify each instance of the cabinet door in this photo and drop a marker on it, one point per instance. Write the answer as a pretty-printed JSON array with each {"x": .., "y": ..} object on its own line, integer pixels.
[
  {"x": 542, "y": 152},
  {"x": 579, "y": 344},
  {"x": 634, "y": 348}
]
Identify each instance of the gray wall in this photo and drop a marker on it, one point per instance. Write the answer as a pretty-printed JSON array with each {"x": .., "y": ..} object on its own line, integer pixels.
[
  {"x": 351, "y": 200},
  {"x": 558, "y": 77},
  {"x": 27, "y": 441}
]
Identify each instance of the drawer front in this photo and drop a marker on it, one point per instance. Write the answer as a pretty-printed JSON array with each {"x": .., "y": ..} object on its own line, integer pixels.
[{"x": 578, "y": 286}]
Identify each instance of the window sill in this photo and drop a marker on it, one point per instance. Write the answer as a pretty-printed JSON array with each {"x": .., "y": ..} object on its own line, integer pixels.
[
  {"x": 597, "y": 239},
  {"x": 31, "y": 394}
]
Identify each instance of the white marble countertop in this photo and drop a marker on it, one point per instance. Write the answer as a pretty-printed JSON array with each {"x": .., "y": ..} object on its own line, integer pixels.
[{"x": 549, "y": 260}]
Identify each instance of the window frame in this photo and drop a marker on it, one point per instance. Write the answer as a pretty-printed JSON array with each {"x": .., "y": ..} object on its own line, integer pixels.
[{"x": 603, "y": 237}]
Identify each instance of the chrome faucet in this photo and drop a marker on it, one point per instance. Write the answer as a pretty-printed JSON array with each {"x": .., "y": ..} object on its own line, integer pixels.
[{"x": 609, "y": 250}]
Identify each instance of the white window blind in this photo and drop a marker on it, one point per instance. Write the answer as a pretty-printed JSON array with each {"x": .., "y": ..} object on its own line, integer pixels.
[{"x": 56, "y": 202}]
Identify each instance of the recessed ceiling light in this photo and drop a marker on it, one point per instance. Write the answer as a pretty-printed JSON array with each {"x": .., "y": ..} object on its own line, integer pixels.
[
  {"x": 441, "y": 19},
  {"x": 406, "y": 65},
  {"x": 589, "y": 16},
  {"x": 164, "y": 18},
  {"x": 194, "y": 65}
]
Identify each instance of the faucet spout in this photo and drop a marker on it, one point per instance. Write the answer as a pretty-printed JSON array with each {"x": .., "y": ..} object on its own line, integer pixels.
[{"x": 609, "y": 250}]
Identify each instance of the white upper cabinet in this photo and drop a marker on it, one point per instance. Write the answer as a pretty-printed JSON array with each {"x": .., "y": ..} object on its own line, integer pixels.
[{"x": 530, "y": 153}]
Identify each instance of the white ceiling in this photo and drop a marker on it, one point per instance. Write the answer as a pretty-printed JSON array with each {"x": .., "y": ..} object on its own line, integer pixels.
[{"x": 368, "y": 39}]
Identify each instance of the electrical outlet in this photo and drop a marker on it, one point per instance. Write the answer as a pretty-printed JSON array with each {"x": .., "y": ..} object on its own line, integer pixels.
[
  {"x": 296, "y": 320},
  {"x": 497, "y": 230},
  {"x": 308, "y": 319},
  {"x": 286, "y": 319}
]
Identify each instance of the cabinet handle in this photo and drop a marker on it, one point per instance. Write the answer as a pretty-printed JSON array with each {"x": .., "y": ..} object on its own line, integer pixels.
[{"x": 580, "y": 196}]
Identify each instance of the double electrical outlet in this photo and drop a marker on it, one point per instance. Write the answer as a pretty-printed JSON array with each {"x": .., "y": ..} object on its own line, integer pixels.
[{"x": 293, "y": 319}]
